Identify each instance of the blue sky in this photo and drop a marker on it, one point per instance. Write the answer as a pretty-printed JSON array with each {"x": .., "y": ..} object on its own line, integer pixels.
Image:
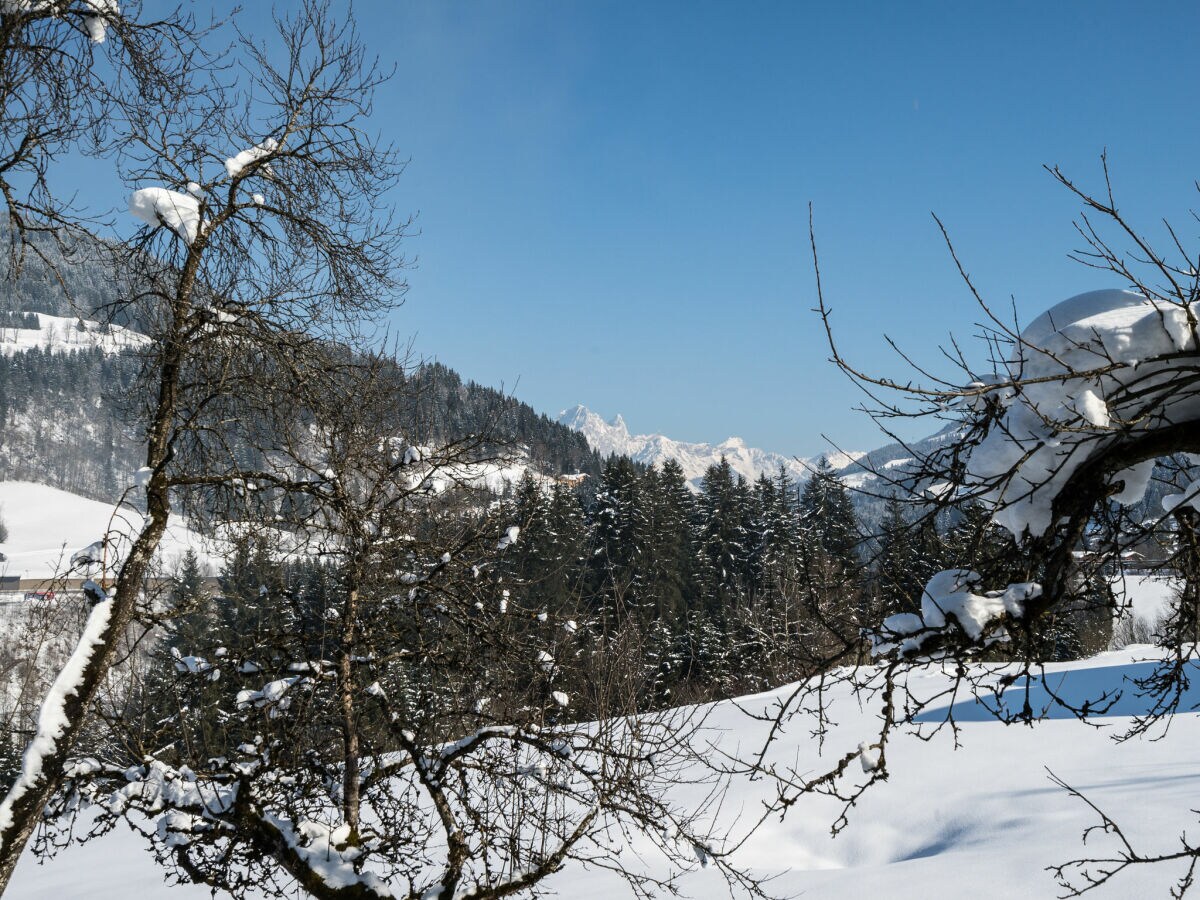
[{"x": 612, "y": 197}]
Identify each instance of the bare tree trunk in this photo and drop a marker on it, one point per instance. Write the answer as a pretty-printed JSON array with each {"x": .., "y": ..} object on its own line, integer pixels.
[
  {"x": 42, "y": 769},
  {"x": 350, "y": 750},
  {"x": 46, "y": 755}
]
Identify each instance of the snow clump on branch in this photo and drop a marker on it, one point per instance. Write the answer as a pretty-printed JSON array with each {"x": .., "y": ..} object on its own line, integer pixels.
[
  {"x": 96, "y": 25},
  {"x": 235, "y": 165},
  {"x": 1091, "y": 371},
  {"x": 159, "y": 206},
  {"x": 949, "y": 605}
]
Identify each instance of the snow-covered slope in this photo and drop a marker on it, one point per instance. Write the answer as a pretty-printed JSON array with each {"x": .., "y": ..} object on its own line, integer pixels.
[
  {"x": 59, "y": 334},
  {"x": 983, "y": 821},
  {"x": 892, "y": 460},
  {"x": 609, "y": 437},
  {"x": 46, "y": 526}
]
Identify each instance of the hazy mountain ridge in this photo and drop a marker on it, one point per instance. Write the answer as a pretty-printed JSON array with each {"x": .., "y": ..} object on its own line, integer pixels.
[{"x": 613, "y": 437}]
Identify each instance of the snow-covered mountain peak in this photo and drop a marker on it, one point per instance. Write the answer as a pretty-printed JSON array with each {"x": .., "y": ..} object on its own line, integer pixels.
[
  {"x": 605, "y": 437},
  {"x": 613, "y": 436}
]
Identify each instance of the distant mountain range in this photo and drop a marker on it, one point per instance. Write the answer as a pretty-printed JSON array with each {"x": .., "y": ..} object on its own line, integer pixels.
[{"x": 613, "y": 437}]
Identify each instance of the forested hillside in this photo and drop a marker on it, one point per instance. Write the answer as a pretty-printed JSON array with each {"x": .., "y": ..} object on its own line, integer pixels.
[
  {"x": 63, "y": 411},
  {"x": 745, "y": 586}
]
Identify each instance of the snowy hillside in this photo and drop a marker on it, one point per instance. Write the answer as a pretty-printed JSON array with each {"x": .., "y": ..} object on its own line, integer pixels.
[
  {"x": 60, "y": 334},
  {"x": 609, "y": 437},
  {"x": 892, "y": 460},
  {"x": 46, "y": 526},
  {"x": 983, "y": 821},
  {"x": 943, "y": 825}
]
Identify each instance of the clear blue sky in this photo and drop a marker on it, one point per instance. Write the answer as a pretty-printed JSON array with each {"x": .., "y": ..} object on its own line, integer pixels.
[{"x": 612, "y": 197}]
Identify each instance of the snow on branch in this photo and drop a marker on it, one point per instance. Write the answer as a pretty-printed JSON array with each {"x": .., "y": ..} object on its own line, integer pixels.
[
  {"x": 1189, "y": 496},
  {"x": 52, "y": 719},
  {"x": 509, "y": 537},
  {"x": 238, "y": 163},
  {"x": 97, "y": 25},
  {"x": 158, "y": 206},
  {"x": 950, "y": 607},
  {"x": 1096, "y": 368}
]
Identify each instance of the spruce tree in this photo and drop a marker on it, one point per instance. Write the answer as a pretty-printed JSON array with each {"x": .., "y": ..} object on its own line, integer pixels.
[
  {"x": 778, "y": 535},
  {"x": 545, "y": 566},
  {"x": 722, "y": 540},
  {"x": 899, "y": 571},
  {"x": 668, "y": 577},
  {"x": 617, "y": 530},
  {"x": 827, "y": 517}
]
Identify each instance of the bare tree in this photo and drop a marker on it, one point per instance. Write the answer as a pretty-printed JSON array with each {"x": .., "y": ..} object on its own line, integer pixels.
[
  {"x": 266, "y": 237},
  {"x": 1047, "y": 449},
  {"x": 413, "y": 731},
  {"x": 66, "y": 66},
  {"x": 400, "y": 722}
]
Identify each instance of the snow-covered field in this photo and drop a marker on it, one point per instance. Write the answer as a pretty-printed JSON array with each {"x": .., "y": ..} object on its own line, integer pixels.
[
  {"x": 983, "y": 821},
  {"x": 46, "y": 526},
  {"x": 60, "y": 334},
  {"x": 1147, "y": 596}
]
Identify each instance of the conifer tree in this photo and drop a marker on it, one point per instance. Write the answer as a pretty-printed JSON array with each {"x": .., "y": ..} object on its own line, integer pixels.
[
  {"x": 828, "y": 519},
  {"x": 617, "y": 532},
  {"x": 723, "y": 560},
  {"x": 779, "y": 534},
  {"x": 565, "y": 543},
  {"x": 546, "y": 565},
  {"x": 668, "y": 582},
  {"x": 194, "y": 609},
  {"x": 899, "y": 570},
  {"x": 722, "y": 539}
]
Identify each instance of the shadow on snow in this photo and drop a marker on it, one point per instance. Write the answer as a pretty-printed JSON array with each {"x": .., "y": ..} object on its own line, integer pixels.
[{"x": 1105, "y": 690}]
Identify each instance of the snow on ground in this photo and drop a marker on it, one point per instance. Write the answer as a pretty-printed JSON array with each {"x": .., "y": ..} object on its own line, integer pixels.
[
  {"x": 46, "y": 526},
  {"x": 983, "y": 821},
  {"x": 495, "y": 476},
  {"x": 60, "y": 334},
  {"x": 1150, "y": 597}
]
